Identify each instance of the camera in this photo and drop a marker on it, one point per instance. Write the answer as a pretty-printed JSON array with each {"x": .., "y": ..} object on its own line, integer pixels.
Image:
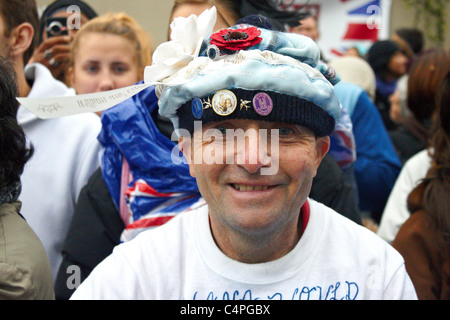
[{"x": 56, "y": 27}]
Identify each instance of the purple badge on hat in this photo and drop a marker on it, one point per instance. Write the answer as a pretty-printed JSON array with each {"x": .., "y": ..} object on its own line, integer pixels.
[{"x": 262, "y": 103}]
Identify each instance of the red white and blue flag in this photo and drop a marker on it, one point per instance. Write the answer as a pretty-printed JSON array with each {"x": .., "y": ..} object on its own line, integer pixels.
[
  {"x": 347, "y": 23},
  {"x": 164, "y": 207}
]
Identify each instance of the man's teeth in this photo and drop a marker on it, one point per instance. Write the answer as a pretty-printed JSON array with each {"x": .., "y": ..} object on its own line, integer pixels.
[{"x": 244, "y": 187}]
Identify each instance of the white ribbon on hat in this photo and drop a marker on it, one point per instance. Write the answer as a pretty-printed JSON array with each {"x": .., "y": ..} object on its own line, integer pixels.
[
  {"x": 54, "y": 107},
  {"x": 186, "y": 38}
]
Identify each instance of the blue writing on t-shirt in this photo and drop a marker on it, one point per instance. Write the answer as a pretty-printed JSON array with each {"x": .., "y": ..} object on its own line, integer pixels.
[{"x": 338, "y": 291}]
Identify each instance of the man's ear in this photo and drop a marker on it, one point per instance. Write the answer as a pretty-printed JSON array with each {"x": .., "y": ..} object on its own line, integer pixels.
[
  {"x": 20, "y": 39},
  {"x": 185, "y": 145},
  {"x": 322, "y": 147}
]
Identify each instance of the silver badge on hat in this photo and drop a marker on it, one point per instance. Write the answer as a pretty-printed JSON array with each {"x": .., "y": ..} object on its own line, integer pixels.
[{"x": 224, "y": 102}]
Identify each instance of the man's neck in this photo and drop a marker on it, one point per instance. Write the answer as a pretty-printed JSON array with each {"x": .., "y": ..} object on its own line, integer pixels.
[
  {"x": 22, "y": 83},
  {"x": 258, "y": 248},
  {"x": 24, "y": 87}
]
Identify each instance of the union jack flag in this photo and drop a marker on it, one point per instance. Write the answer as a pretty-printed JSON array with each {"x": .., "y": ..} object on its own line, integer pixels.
[
  {"x": 346, "y": 23},
  {"x": 164, "y": 206}
]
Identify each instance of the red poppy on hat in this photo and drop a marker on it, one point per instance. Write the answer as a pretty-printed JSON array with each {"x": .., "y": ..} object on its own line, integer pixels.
[{"x": 236, "y": 39}]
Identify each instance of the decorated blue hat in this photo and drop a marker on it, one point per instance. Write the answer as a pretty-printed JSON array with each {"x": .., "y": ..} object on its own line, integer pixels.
[{"x": 243, "y": 72}]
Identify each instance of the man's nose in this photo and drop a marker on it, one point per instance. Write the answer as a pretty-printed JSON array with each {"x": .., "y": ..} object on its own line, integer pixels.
[{"x": 253, "y": 155}]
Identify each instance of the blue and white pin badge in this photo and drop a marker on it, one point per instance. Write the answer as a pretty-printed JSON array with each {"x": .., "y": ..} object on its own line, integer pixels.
[
  {"x": 197, "y": 108},
  {"x": 262, "y": 103},
  {"x": 213, "y": 52},
  {"x": 224, "y": 102}
]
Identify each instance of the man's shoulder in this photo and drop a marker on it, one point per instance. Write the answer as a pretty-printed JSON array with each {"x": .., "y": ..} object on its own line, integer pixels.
[{"x": 341, "y": 229}]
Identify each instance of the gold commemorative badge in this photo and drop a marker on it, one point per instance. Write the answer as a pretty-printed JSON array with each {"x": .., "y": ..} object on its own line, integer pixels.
[{"x": 224, "y": 102}]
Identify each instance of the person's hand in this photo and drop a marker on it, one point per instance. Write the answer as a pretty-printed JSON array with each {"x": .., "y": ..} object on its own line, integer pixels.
[{"x": 54, "y": 53}]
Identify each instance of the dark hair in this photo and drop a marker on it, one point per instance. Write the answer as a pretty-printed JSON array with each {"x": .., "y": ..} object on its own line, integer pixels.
[
  {"x": 16, "y": 12},
  {"x": 414, "y": 37},
  {"x": 14, "y": 152},
  {"x": 379, "y": 55},
  {"x": 432, "y": 194},
  {"x": 424, "y": 78},
  {"x": 308, "y": 14}
]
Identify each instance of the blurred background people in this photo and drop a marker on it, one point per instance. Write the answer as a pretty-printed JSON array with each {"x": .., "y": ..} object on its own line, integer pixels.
[
  {"x": 424, "y": 238},
  {"x": 356, "y": 70},
  {"x": 109, "y": 52},
  {"x": 54, "y": 43},
  {"x": 66, "y": 149},
  {"x": 414, "y": 39},
  {"x": 399, "y": 108},
  {"x": 424, "y": 79},
  {"x": 25, "y": 271},
  {"x": 377, "y": 165},
  {"x": 413, "y": 103},
  {"x": 308, "y": 27},
  {"x": 389, "y": 64}
]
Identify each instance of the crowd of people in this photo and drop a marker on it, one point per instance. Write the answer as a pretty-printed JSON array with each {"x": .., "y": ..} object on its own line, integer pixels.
[{"x": 94, "y": 206}]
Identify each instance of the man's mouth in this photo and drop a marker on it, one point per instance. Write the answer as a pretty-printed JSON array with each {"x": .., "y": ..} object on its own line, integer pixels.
[{"x": 245, "y": 187}]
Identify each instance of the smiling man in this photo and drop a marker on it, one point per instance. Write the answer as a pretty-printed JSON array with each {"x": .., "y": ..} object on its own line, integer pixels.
[
  {"x": 257, "y": 236},
  {"x": 254, "y": 217}
]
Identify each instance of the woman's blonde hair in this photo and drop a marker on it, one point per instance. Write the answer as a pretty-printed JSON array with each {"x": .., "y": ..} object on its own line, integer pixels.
[{"x": 120, "y": 24}]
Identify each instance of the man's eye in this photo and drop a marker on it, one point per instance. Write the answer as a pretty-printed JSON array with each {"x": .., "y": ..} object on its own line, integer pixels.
[
  {"x": 216, "y": 134},
  {"x": 285, "y": 131},
  {"x": 221, "y": 130}
]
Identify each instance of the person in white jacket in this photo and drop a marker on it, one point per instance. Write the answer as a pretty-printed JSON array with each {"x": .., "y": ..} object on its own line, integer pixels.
[
  {"x": 396, "y": 211},
  {"x": 66, "y": 149}
]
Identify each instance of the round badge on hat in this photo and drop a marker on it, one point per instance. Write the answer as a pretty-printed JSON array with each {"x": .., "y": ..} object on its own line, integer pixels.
[
  {"x": 197, "y": 108},
  {"x": 224, "y": 102},
  {"x": 213, "y": 52},
  {"x": 262, "y": 103}
]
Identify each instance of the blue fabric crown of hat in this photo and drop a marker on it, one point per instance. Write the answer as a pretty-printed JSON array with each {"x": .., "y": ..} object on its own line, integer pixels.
[{"x": 249, "y": 72}]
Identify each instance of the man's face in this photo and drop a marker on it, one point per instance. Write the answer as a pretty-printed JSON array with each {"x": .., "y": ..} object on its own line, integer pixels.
[
  {"x": 308, "y": 27},
  {"x": 242, "y": 199},
  {"x": 397, "y": 64},
  {"x": 68, "y": 15}
]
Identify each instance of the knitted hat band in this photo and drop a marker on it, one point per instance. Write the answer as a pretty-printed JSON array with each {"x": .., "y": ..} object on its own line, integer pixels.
[{"x": 244, "y": 104}]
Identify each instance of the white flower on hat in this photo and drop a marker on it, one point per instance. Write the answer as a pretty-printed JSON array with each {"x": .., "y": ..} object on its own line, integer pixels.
[{"x": 186, "y": 39}]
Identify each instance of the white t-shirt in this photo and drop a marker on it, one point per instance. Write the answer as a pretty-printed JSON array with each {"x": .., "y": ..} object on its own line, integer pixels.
[{"x": 334, "y": 259}]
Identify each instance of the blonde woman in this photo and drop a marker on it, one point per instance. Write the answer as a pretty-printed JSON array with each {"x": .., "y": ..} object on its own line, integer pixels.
[{"x": 109, "y": 52}]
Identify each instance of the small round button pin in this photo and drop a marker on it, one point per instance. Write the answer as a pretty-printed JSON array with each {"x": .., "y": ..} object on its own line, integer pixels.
[{"x": 262, "y": 103}]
